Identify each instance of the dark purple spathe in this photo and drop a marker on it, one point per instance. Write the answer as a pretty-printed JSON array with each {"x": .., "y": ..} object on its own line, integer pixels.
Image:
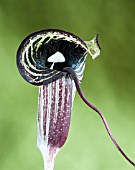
[{"x": 54, "y": 111}]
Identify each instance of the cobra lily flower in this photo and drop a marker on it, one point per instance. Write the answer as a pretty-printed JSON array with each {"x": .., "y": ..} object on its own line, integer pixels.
[{"x": 54, "y": 60}]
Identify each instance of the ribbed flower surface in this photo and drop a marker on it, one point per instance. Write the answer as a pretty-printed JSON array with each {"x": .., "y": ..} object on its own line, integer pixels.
[{"x": 54, "y": 112}]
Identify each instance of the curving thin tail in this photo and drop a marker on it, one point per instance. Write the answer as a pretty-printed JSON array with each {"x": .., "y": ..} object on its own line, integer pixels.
[{"x": 73, "y": 74}]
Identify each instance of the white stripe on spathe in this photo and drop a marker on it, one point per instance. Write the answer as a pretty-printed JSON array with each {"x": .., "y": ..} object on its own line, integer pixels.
[
  {"x": 63, "y": 93},
  {"x": 49, "y": 89},
  {"x": 56, "y": 99}
]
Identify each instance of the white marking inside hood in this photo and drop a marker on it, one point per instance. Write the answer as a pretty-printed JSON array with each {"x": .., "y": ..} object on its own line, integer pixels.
[{"x": 56, "y": 58}]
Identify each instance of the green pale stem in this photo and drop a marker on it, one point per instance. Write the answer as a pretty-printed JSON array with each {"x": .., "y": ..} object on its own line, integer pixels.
[{"x": 49, "y": 154}]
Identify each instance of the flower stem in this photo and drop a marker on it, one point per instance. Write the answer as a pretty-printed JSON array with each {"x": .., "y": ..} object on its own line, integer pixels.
[{"x": 49, "y": 158}]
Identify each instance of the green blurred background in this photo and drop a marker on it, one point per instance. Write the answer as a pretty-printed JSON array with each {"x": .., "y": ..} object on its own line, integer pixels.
[{"x": 109, "y": 83}]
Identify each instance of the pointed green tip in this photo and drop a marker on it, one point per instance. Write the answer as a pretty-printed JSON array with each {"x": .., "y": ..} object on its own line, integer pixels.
[{"x": 93, "y": 47}]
